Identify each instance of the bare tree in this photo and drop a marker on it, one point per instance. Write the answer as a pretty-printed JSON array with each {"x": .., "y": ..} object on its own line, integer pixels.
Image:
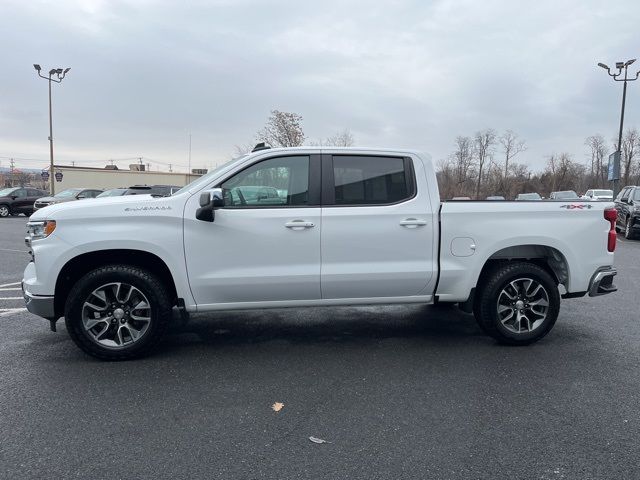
[
  {"x": 283, "y": 129},
  {"x": 484, "y": 144},
  {"x": 598, "y": 150},
  {"x": 512, "y": 145},
  {"x": 462, "y": 159},
  {"x": 343, "y": 138},
  {"x": 630, "y": 145},
  {"x": 242, "y": 149}
]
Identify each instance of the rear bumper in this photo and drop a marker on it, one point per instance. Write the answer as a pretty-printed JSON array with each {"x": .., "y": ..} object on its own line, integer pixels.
[
  {"x": 43, "y": 306},
  {"x": 602, "y": 282}
]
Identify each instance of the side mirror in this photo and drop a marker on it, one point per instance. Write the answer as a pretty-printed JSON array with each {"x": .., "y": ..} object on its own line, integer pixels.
[
  {"x": 13, "y": 197},
  {"x": 209, "y": 201}
]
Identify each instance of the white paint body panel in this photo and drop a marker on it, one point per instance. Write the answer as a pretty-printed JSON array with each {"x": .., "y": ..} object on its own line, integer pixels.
[{"x": 352, "y": 255}]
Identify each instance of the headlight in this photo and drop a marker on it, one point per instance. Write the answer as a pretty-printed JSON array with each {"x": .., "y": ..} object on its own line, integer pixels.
[{"x": 38, "y": 230}]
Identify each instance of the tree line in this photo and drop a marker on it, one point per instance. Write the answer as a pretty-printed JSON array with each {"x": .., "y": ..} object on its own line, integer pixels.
[{"x": 486, "y": 163}]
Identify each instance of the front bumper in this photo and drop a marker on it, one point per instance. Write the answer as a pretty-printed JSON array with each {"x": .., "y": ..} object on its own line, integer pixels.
[
  {"x": 602, "y": 282},
  {"x": 43, "y": 306}
]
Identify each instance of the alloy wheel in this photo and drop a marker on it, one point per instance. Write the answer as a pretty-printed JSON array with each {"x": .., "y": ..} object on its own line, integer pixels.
[
  {"x": 523, "y": 305},
  {"x": 116, "y": 315},
  {"x": 4, "y": 211}
]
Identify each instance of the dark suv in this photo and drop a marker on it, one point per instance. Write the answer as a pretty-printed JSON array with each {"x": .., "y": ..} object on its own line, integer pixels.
[
  {"x": 17, "y": 200},
  {"x": 628, "y": 208}
]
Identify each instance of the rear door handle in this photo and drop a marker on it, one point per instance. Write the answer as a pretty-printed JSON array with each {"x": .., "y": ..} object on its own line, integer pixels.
[
  {"x": 299, "y": 224},
  {"x": 413, "y": 222}
]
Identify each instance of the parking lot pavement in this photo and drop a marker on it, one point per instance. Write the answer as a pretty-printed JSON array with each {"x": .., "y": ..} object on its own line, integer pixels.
[{"x": 400, "y": 392}]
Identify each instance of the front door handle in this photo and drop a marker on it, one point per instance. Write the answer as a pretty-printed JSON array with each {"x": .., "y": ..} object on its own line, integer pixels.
[
  {"x": 413, "y": 222},
  {"x": 299, "y": 224}
]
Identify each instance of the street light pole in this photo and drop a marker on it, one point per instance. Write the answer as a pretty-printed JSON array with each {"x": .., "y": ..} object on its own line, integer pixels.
[
  {"x": 60, "y": 73},
  {"x": 618, "y": 154}
]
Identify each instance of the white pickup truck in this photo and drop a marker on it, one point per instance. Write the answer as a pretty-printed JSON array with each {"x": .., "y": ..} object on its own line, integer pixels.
[{"x": 309, "y": 227}]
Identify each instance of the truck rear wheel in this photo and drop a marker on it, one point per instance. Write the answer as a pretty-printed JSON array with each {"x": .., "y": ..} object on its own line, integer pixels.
[
  {"x": 118, "y": 312},
  {"x": 517, "y": 303}
]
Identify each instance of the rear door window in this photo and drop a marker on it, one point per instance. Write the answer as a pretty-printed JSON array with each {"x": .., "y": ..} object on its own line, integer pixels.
[{"x": 371, "y": 180}]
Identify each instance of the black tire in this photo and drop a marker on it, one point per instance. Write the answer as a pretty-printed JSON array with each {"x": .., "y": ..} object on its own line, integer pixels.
[
  {"x": 154, "y": 290},
  {"x": 4, "y": 211},
  {"x": 491, "y": 285},
  {"x": 628, "y": 230}
]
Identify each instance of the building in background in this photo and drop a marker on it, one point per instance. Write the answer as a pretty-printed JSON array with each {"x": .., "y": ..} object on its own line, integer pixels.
[{"x": 110, "y": 177}]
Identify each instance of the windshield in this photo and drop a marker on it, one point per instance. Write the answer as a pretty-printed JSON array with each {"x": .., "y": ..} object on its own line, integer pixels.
[
  {"x": 66, "y": 193},
  {"x": 529, "y": 196},
  {"x": 116, "y": 192},
  {"x": 7, "y": 191},
  {"x": 603, "y": 193},
  {"x": 206, "y": 178},
  {"x": 566, "y": 195}
]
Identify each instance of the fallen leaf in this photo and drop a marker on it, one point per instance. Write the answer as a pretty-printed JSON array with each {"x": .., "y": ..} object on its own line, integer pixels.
[
  {"x": 317, "y": 440},
  {"x": 277, "y": 406}
]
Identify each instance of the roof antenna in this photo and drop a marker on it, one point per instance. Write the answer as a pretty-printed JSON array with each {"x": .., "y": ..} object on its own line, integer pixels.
[{"x": 260, "y": 146}]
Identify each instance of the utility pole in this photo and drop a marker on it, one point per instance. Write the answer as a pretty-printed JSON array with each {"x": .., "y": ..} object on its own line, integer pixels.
[
  {"x": 189, "y": 172},
  {"x": 618, "y": 154},
  {"x": 170, "y": 168},
  {"x": 60, "y": 73},
  {"x": 11, "y": 167}
]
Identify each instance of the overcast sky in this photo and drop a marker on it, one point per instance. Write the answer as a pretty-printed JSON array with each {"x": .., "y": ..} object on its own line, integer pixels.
[{"x": 409, "y": 74}]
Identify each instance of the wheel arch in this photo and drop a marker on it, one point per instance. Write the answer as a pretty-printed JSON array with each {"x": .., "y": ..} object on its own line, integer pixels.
[
  {"x": 547, "y": 257},
  {"x": 80, "y": 265}
]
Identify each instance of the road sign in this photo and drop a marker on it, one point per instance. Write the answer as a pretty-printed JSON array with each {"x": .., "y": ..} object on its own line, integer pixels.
[
  {"x": 614, "y": 166},
  {"x": 58, "y": 176},
  {"x": 45, "y": 175}
]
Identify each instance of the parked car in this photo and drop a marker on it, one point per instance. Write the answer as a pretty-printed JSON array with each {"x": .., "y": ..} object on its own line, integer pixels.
[
  {"x": 461, "y": 198},
  {"x": 113, "y": 192},
  {"x": 68, "y": 195},
  {"x": 115, "y": 273},
  {"x": 598, "y": 195},
  {"x": 154, "y": 190},
  {"x": 628, "y": 208},
  {"x": 564, "y": 195},
  {"x": 495, "y": 197},
  {"x": 17, "y": 200},
  {"x": 528, "y": 196}
]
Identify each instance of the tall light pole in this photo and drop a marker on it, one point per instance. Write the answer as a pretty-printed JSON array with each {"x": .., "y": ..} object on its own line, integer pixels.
[
  {"x": 620, "y": 66},
  {"x": 60, "y": 73}
]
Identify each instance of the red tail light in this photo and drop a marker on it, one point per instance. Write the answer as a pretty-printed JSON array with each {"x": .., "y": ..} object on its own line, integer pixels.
[{"x": 611, "y": 215}]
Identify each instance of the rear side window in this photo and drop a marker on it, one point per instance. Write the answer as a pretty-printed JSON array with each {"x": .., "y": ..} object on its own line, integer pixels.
[
  {"x": 34, "y": 193},
  {"x": 371, "y": 180},
  {"x": 625, "y": 194}
]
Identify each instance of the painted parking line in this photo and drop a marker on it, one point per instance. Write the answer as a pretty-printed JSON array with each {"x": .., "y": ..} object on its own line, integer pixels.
[
  {"x": 12, "y": 289},
  {"x": 5, "y": 312},
  {"x": 11, "y": 298},
  {"x": 9, "y": 284},
  {"x": 13, "y": 250}
]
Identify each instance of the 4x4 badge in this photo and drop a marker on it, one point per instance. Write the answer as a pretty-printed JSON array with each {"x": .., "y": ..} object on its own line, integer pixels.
[{"x": 576, "y": 206}]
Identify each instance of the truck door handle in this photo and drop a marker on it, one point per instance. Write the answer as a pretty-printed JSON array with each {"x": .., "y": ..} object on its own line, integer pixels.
[
  {"x": 413, "y": 222},
  {"x": 299, "y": 224}
]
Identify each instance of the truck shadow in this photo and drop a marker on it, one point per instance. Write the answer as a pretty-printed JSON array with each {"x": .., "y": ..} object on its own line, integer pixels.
[{"x": 326, "y": 325}]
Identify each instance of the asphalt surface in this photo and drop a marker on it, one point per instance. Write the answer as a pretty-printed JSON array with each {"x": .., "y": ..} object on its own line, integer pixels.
[{"x": 400, "y": 392}]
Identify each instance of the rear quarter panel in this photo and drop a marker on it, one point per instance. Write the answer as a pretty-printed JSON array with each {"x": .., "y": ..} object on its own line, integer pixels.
[{"x": 577, "y": 230}]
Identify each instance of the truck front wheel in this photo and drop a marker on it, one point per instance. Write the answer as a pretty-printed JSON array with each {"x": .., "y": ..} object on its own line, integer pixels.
[
  {"x": 118, "y": 312},
  {"x": 517, "y": 303}
]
